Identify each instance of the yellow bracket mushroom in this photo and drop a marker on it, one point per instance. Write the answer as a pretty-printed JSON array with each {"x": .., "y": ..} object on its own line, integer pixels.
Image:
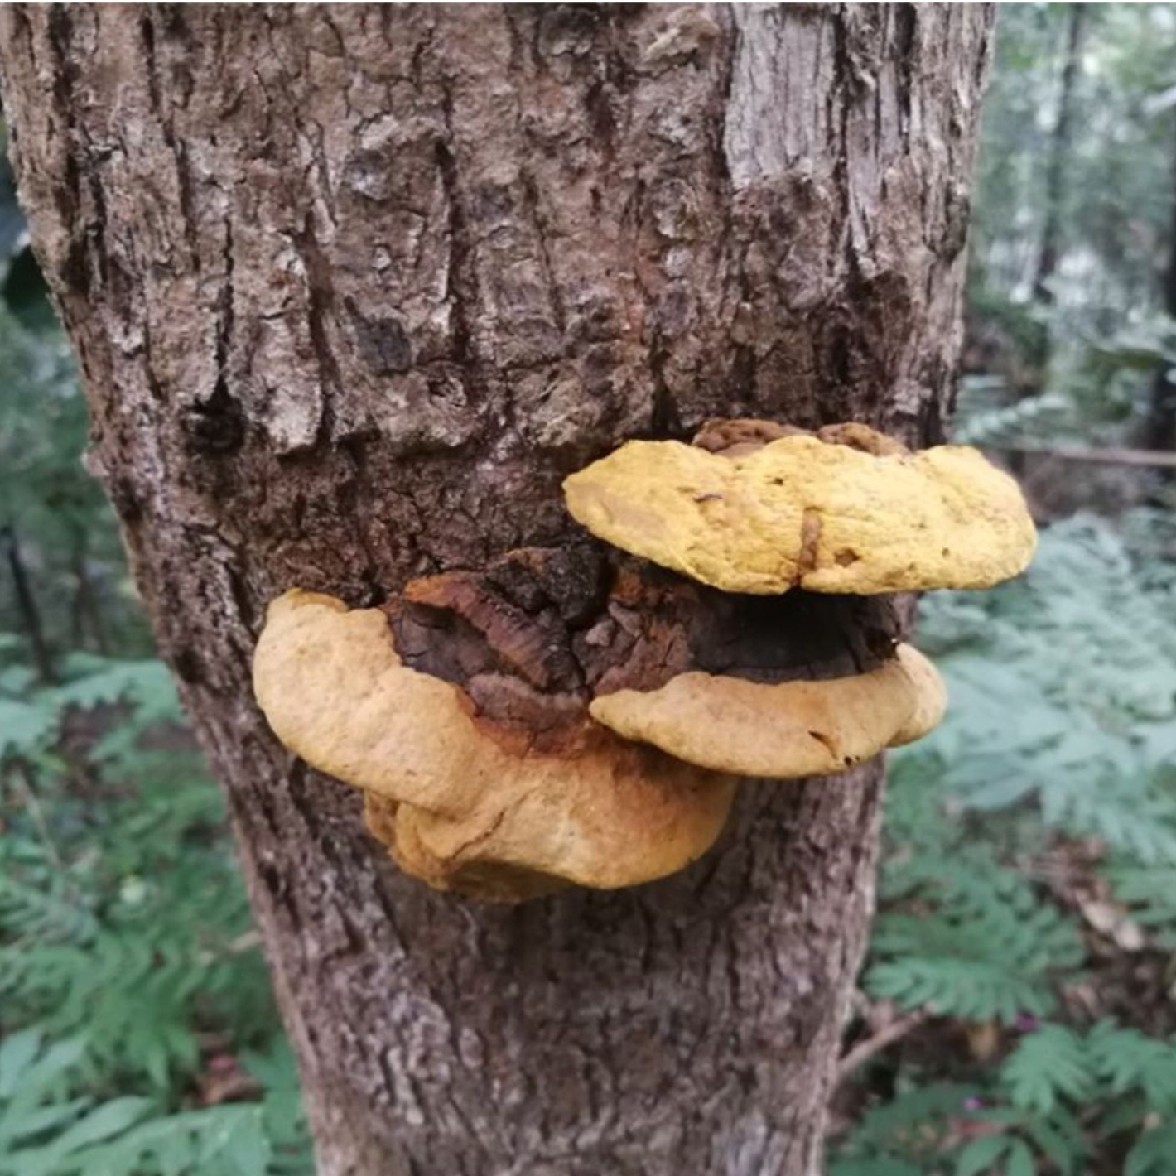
[
  {"x": 849, "y": 512},
  {"x": 760, "y": 508}
]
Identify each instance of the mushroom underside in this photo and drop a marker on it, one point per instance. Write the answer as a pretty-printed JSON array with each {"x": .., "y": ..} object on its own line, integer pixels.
[{"x": 787, "y": 730}]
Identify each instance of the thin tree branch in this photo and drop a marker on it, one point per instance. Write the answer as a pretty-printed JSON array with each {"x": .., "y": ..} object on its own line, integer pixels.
[
  {"x": 1129, "y": 457},
  {"x": 895, "y": 1031}
]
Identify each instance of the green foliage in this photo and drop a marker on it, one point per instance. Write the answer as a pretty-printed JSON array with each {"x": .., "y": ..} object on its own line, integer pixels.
[
  {"x": 1061, "y": 732},
  {"x": 24, "y": 727},
  {"x": 1115, "y": 203},
  {"x": 1064, "y": 697},
  {"x": 909, "y": 1130},
  {"x": 125, "y": 943},
  {"x": 1150, "y": 896},
  {"x": 51, "y": 1126},
  {"x": 22, "y": 285},
  {"x": 1153, "y": 1154},
  {"x": 989, "y": 421},
  {"x": 940, "y": 954},
  {"x": 1047, "y": 1066},
  {"x": 945, "y": 1127},
  {"x": 53, "y": 508}
]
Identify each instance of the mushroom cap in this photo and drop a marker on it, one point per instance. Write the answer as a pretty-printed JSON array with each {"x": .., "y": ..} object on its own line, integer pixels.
[
  {"x": 488, "y": 881},
  {"x": 801, "y": 512},
  {"x": 614, "y": 833},
  {"x": 930, "y": 696},
  {"x": 602, "y": 812},
  {"x": 786, "y": 730}
]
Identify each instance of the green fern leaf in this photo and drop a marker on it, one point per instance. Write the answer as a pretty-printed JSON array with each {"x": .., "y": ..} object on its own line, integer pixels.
[
  {"x": 1154, "y": 1153},
  {"x": 1126, "y": 1060},
  {"x": 25, "y": 727},
  {"x": 981, "y": 1155},
  {"x": 1048, "y": 1064}
]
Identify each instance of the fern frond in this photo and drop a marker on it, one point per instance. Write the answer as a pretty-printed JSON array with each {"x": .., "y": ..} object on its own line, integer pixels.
[
  {"x": 936, "y": 950},
  {"x": 1154, "y": 1153},
  {"x": 1126, "y": 1059},
  {"x": 1150, "y": 894},
  {"x": 1048, "y": 1065}
]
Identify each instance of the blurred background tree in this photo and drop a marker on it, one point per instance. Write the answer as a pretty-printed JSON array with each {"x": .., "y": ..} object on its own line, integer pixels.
[
  {"x": 1072, "y": 281},
  {"x": 1016, "y": 1014}
]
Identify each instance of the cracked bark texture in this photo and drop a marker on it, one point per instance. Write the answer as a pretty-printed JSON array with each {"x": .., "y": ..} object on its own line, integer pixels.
[{"x": 352, "y": 289}]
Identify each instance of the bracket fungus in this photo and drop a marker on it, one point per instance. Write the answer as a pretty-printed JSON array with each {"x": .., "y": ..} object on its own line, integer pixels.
[
  {"x": 762, "y": 509},
  {"x": 575, "y": 716},
  {"x": 784, "y": 730},
  {"x": 461, "y": 804}
]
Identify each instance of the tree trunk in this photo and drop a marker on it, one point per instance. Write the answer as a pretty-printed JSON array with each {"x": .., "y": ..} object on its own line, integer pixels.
[
  {"x": 27, "y": 609},
  {"x": 1160, "y": 430},
  {"x": 353, "y": 288},
  {"x": 1049, "y": 252}
]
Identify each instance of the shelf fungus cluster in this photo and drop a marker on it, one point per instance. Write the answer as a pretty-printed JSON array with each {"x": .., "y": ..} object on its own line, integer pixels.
[
  {"x": 584, "y": 716},
  {"x": 460, "y": 804}
]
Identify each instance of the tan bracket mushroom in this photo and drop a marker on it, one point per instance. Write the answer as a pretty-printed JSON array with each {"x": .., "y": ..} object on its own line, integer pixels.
[
  {"x": 787, "y": 730},
  {"x": 461, "y": 805},
  {"x": 760, "y": 508}
]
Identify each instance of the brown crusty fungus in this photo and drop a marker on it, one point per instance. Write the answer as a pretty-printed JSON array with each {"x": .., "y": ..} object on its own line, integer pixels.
[
  {"x": 456, "y": 798},
  {"x": 785, "y": 730},
  {"x": 849, "y": 511}
]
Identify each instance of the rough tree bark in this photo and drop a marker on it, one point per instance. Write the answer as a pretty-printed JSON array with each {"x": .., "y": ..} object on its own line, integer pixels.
[{"x": 353, "y": 288}]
